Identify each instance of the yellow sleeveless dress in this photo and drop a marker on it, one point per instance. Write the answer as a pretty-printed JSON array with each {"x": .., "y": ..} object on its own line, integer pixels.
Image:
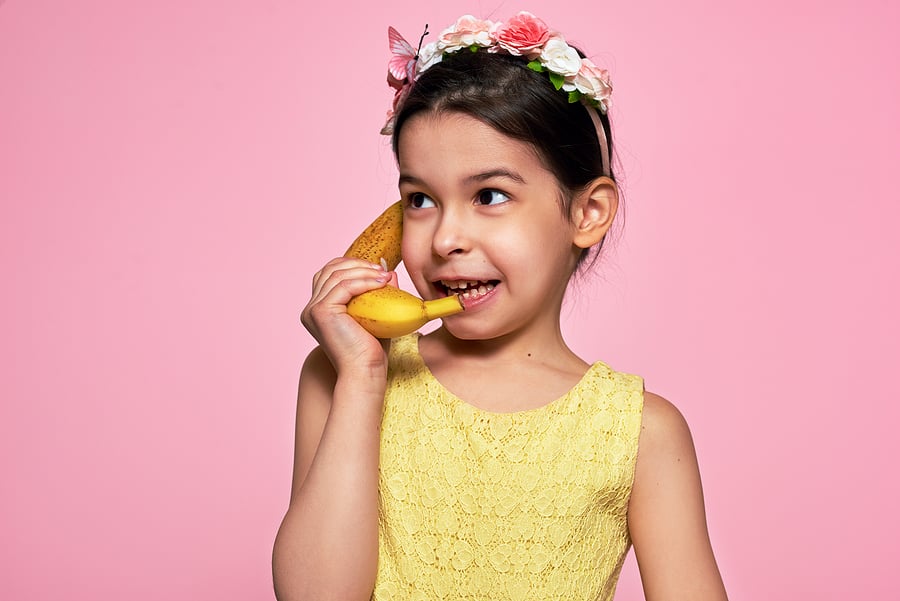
[{"x": 513, "y": 506}]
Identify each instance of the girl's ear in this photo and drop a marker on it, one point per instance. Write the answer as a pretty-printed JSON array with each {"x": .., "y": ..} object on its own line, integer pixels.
[{"x": 593, "y": 212}]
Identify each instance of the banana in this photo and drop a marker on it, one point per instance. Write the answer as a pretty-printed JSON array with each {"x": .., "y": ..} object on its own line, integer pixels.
[
  {"x": 381, "y": 240},
  {"x": 390, "y": 312}
]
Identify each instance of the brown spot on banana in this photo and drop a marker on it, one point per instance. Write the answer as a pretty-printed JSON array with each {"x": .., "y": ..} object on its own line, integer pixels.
[{"x": 381, "y": 240}]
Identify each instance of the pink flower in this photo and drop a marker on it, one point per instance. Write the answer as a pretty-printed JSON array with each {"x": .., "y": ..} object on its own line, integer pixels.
[
  {"x": 523, "y": 35},
  {"x": 399, "y": 97},
  {"x": 594, "y": 82},
  {"x": 467, "y": 31}
]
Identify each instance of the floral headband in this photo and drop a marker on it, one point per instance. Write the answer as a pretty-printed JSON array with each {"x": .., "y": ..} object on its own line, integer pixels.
[{"x": 523, "y": 35}]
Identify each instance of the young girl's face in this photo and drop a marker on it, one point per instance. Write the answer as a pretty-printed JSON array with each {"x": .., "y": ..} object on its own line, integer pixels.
[{"x": 482, "y": 215}]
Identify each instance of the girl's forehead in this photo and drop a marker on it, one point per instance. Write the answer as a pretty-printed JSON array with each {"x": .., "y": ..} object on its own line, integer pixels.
[
  {"x": 441, "y": 133},
  {"x": 449, "y": 159}
]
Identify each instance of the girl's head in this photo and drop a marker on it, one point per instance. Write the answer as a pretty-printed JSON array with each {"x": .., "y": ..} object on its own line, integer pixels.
[{"x": 508, "y": 76}]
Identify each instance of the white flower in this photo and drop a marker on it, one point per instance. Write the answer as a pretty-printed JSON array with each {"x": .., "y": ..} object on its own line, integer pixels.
[
  {"x": 429, "y": 56},
  {"x": 559, "y": 57}
]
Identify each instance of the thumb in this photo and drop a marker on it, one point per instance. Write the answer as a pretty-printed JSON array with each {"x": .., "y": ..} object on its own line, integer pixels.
[{"x": 394, "y": 281}]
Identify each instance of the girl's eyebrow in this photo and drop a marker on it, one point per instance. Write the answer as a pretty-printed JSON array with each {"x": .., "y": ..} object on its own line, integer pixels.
[
  {"x": 409, "y": 179},
  {"x": 477, "y": 177},
  {"x": 498, "y": 172}
]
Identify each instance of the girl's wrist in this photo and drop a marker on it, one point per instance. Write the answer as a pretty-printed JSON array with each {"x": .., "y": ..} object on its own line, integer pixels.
[
  {"x": 356, "y": 364},
  {"x": 361, "y": 384}
]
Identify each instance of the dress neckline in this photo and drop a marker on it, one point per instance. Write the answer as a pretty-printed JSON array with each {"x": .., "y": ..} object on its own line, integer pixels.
[{"x": 456, "y": 400}]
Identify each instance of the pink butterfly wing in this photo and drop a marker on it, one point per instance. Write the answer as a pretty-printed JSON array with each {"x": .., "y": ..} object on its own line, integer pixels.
[{"x": 403, "y": 62}]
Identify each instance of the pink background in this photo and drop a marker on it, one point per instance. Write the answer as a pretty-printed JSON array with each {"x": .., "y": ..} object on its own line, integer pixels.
[{"x": 172, "y": 173}]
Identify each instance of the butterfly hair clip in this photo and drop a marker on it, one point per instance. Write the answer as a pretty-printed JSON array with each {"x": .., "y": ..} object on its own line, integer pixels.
[
  {"x": 402, "y": 71},
  {"x": 402, "y": 66}
]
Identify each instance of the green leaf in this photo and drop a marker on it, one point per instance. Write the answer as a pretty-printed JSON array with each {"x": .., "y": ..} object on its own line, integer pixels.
[
  {"x": 574, "y": 96},
  {"x": 557, "y": 80},
  {"x": 536, "y": 65},
  {"x": 474, "y": 47}
]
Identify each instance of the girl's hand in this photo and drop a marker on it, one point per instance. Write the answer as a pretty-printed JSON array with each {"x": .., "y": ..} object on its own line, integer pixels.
[{"x": 349, "y": 347}]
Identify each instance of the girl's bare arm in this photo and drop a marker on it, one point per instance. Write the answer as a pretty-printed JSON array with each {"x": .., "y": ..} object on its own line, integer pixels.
[
  {"x": 327, "y": 546},
  {"x": 666, "y": 514}
]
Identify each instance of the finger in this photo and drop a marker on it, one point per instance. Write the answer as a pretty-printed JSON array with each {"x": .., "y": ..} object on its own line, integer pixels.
[
  {"x": 331, "y": 303},
  {"x": 341, "y": 289},
  {"x": 340, "y": 264},
  {"x": 394, "y": 281},
  {"x": 327, "y": 282},
  {"x": 332, "y": 298}
]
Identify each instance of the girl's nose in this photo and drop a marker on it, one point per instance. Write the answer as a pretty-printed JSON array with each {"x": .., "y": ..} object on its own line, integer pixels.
[{"x": 451, "y": 236}]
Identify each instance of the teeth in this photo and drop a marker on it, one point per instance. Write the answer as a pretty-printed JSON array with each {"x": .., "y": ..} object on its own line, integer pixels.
[
  {"x": 461, "y": 284},
  {"x": 467, "y": 288},
  {"x": 480, "y": 291}
]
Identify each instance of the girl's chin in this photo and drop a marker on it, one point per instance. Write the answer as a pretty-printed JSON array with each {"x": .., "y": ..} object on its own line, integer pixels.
[{"x": 468, "y": 334}]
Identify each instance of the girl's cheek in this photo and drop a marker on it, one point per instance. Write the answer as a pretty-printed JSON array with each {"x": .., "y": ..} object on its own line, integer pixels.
[
  {"x": 410, "y": 251},
  {"x": 414, "y": 241}
]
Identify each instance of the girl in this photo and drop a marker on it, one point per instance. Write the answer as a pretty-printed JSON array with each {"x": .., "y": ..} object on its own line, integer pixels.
[{"x": 485, "y": 460}]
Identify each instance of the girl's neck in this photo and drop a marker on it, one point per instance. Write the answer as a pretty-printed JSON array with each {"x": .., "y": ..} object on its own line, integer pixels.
[
  {"x": 544, "y": 348},
  {"x": 505, "y": 374}
]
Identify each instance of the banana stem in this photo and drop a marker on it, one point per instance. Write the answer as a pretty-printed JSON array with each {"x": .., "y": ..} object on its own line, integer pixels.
[{"x": 441, "y": 307}]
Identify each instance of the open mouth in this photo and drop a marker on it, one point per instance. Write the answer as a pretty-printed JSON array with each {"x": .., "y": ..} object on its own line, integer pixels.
[{"x": 466, "y": 289}]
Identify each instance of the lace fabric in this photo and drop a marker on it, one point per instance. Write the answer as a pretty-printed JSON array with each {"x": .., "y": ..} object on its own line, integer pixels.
[{"x": 525, "y": 505}]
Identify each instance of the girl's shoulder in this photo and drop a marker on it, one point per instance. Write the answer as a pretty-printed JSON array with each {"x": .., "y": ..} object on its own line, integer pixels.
[
  {"x": 663, "y": 427},
  {"x": 666, "y": 453}
]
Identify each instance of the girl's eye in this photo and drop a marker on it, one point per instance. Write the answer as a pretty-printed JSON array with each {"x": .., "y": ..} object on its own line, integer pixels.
[
  {"x": 491, "y": 197},
  {"x": 420, "y": 201}
]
